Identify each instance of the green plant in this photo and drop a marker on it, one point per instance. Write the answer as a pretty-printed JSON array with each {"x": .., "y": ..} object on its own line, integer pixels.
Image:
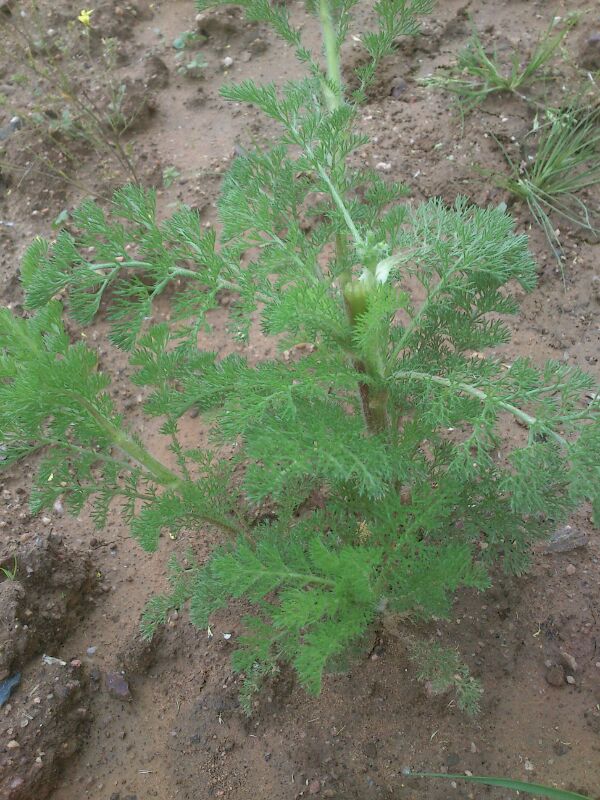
[
  {"x": 11, "y": 574},
  {"x": 67, "y": 109},
  {"x": 170, "y": 175},
  {"x": 507, "y": 783},
  {"x": 365, "y": 471},
  {"x": 477, "y": 75},
  {"x": 194, "y": 67},
  {"x": 566, "y": 161}
]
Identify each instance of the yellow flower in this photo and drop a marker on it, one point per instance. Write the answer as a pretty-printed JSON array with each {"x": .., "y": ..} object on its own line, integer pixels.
[{"x": 85, "y": 17}]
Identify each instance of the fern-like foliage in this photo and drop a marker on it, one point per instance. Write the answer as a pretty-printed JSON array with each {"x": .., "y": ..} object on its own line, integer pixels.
[{"x": 374, "y": 437}]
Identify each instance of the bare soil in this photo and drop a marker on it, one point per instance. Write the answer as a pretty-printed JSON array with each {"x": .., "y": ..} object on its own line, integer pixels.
[{"x": 127, "y": 720}]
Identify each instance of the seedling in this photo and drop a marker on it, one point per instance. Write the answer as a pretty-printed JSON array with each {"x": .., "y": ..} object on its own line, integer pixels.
[
  {"x": 194, "y": 68},
  {"x": 10, "y": 574},
  {"x": 566, "y": 161},
  {"x": 477, "y": 74},
  {"x": 170, "y": 175},
  {"x": 363, "y": 471}
]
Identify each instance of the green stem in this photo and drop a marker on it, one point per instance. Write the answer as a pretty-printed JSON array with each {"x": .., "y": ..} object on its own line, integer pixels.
[
  {"x": 333, "y": 98},
  {"x": 473, "y": 391},
  {"x": 131, "y": 448}
]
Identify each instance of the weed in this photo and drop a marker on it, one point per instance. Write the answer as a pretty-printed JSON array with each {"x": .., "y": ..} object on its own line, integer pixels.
[
  {"x": 68, "y": 111},
  {"x": 363, "y": 471},
  {"x": 565, "y": 162},
  {"x": 478, "y": 75}
]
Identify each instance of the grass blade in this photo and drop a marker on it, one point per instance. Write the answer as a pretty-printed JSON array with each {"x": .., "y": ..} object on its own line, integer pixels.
[{"x": 508, "y": 783}]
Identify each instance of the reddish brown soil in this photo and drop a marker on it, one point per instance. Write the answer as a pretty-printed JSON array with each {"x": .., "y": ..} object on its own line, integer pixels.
[{"x": 180, "y": 733}]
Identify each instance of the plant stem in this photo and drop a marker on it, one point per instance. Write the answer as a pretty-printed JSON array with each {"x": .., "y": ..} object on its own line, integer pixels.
[
  {"x": 131, "y": 448},
  {"x": 333, "y": 97}
]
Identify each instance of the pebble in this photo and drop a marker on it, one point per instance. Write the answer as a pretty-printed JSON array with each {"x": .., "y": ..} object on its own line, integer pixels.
[
  {"x": 91, "y": 651},
  {"x": 569, "y": 662},
  {"x": 529, "y": 766},
  {"x": 314, "y": 787},
  {"x": 13, "y": 744},
  {"x": 227, "y": 62},
  {"x": 570, "y": 680},
  {"x": 383, "y": 166},
  {"x": 571, "y": 569}
]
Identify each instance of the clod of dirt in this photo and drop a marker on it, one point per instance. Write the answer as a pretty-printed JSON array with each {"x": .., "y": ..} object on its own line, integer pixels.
[
  {"x": 589, "y": 51},
  {"x": 555, "y": 675},
  {"x": 117, "y": 686},
  {"x": 46, "y": 724},
  {"x": 42, "y": 604},
  {"x": 116, "y": 20},
  {"x": 137, "y": 107},
  {"x": 398, "y": 89},
  {"x": 156, "y": 72}
]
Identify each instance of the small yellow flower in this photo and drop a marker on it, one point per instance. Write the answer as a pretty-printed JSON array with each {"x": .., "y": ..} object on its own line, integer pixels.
[{"x": 85, "y": 17}]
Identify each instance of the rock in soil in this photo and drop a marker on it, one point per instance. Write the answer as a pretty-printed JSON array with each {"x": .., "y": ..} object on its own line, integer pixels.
[
  {"x": 40, "y": 607},
  {"x": 38, "y": 737},
  {"x": 565, "y": 539}
]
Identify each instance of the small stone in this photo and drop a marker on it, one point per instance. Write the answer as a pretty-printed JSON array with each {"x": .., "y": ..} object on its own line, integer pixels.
[
  {"x": 91, "y": 650},
  {"x": 473, "y": 747},
  {"x": 555, "y": 675},
  {"x": 570, "y": 680},
  {"x": 117, "y": 686},
  {"x": 565, "y": 539},
  {"x": 529, "y": 766},
  {"x": 314, "y": 787},
  {"x": 227, "y": 62},
  {"x": 383, "y": 166},
  {"x": 58, "y": 508},
  {"x": 571, "y": 569},
  {"x": 13, "y": 744}
]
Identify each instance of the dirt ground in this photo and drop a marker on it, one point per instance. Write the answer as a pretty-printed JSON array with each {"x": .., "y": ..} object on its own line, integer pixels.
[{"x": 124, "y": 720}]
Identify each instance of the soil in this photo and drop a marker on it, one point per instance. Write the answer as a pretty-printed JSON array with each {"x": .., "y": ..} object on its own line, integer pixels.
[{"x": 122, "y": 719}]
